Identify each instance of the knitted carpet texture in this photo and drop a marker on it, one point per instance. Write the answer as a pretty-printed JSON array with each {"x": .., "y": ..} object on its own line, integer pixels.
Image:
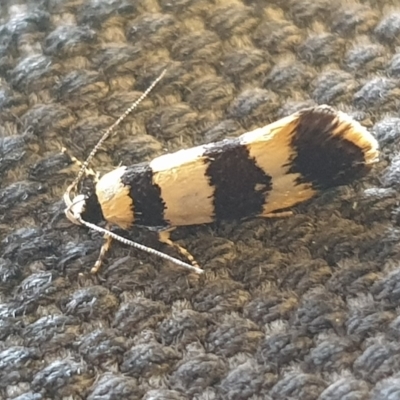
[{"x": 304, "y": 307}]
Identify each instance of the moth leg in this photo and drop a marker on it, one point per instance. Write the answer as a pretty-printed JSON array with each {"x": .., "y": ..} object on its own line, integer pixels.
[
  {"x": 281, "y": 214},
  {"x": 164, "y": 237},
  {"x": 88, "y": 171},
  {"x": 103, "y": 251}
]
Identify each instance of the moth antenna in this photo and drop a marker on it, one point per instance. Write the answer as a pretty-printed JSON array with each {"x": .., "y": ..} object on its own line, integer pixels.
[
  {"x": 140, "y": 246},
  {"x": 110, "y": 130}
]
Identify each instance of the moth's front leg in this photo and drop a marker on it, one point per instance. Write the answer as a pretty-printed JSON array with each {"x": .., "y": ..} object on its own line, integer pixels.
[{"x": 103, "y": 251}]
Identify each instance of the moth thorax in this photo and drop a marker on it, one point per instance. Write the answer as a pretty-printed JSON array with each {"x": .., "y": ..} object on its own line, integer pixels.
[{"x": 115, "y": 199}]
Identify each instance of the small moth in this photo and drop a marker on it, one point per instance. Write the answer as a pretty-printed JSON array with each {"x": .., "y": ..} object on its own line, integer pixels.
[{"x": 261, "y": 173}]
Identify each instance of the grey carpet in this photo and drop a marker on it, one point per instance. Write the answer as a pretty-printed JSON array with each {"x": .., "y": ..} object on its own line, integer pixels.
[{"x": 297, "y": 308}]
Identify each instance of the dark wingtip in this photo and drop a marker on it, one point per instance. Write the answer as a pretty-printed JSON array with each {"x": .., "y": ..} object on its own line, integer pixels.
[{"x": 331, "y": 149}]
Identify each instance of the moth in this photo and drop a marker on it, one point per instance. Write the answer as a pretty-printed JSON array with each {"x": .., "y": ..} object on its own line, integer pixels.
[{"x": 261, "y": 173}]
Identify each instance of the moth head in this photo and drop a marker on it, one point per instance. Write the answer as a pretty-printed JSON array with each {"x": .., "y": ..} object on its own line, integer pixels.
[
  {"x": 75, "y": 207},
  {"x": 84, "y": 206}
]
